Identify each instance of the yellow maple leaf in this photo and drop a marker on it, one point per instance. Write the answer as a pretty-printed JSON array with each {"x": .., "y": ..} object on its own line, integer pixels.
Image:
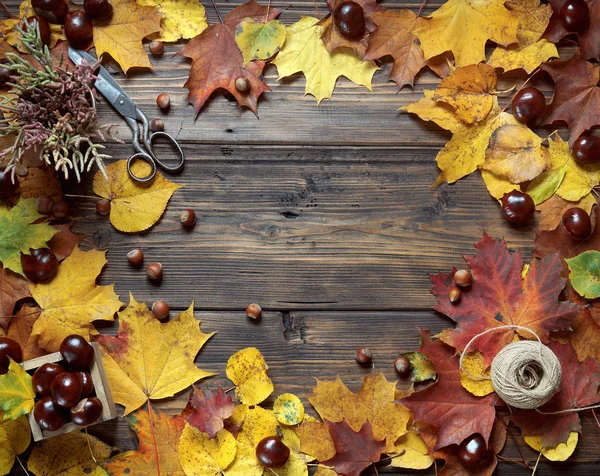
[
  {"x": 315, "y": 440},
  {"x": 16, "y": 392},
  {"x": 71, "y": 454},
  {"x": 259, "y": 40},
  {"x": 429, "y": 110},
  {"x": 411, "y": 452},
  {"x": 15, "y": 436},
  {"x": 135, "y": 206},
  {"x": 470, "y": 91},
  {"x": 303, "y": 51},
  {"x": 247, "y": 369},
  {"x": 464, "y": 26},
  {"x": 122, "y": 36},
  {"x": 515, "y": 153},
  {"x": 474, "y": 365},
  {"x": 150, "y": 360},
  {"x": 374, "y": 403},
  {"x": 532, "y": 50},
  {"x": 201, "y": 455},
  {"x": 72, "y": 301},
  {"x": 561, "y": 452},
  {"x": 466, "y": 150},
  {"x": 181, "y": 18}
]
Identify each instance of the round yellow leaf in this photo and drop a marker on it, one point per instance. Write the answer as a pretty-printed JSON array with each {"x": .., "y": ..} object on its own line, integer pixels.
[
  {"x": 560, "y": 452},
  {"x": 181, "y": 18},
  {"x": 248, "y": 370},
  {"x": 200, "y": 455},
  {"x": 288, "y": 409},
  {"x": 412, "y": 452},
  {"x": 473, "y": 364},
  {"x": 15, "y": 436}
]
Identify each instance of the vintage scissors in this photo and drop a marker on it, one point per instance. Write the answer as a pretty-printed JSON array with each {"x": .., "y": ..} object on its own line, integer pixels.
[{"x": 142, "y": 140}]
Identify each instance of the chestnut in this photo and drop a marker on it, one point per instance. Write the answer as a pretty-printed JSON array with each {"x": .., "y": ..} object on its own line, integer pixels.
[
  {"x": 78, "y": 29},
  {"x": 87, "y": 411}
]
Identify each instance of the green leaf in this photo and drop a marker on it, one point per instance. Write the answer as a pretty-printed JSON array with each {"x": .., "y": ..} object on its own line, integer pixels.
[
  {"x": 585, "y": 274},
  {"x": 422, "y": 367},
  {"x": 18, "y": 233},
  {"x": 258, "y": 40},
  {"x": 16, "y": 392},
  {"x": 546, "y": 184}
]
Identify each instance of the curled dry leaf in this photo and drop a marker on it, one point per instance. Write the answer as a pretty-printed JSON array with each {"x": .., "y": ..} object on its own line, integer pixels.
[
  {"x": 15, "y": 436},
  {"x": 182, "y": 19},
  {"x": 247, "y": 369},
  {"x": 135, "y": 206},
  {"x": 429, "y": 110},
  {"x": 16, "y": 392}
]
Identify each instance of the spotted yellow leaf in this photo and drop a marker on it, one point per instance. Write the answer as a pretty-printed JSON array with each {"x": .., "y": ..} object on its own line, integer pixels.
[
  {"x": 15, "y": 436},
  {"x": 201, "y": 455},
  {"x": 288, "y": 409},
  {"x": 181, "y": 18},
  {"x": 247, "y": 369}
]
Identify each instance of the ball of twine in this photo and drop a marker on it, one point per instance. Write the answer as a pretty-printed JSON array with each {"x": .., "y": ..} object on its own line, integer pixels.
[{"x": 525, "y": 374}]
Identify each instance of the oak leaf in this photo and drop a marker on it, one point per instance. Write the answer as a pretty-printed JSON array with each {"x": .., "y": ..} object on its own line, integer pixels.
[
  {"x": 355, "y": 450},
  {"x": 16, "y": 392},
  {"x": 584, "y": 273},
  {"x": 411, "y": 452},
  {"x": 201, "y": 455},
  {"x": 394, "y": 37},
  {"x": 71, "y": 454},
  {"x": 464, "y": 26},
  {"x": 217, "y": 61},
  {"x": 552, "y": 210},
  {"x": 15, "y": 436},
  {"x": 259, "y": 41},
  {"x": 158, "y": 439},
  {"x": 208, "y": 410},
  {"x": 72, "y": 301},
  {"x": 589, "y": 38},
  {"x": 148, "y": 360},
  {"x": 578, "y": 388},
  {"x": 446, "y": 404},
  {"x": 20, "y": 329},
  {"x": 182, "y": 19},
  {"x": 501, "y": 296},
  {"x": 560, "y": 452},
  {"x": 288, "y": 409},
  {"x": 247, "y": 369},
  {"x": 122, "y": 36},
  {"x": 515, "y": 153},
  {"x": 531, "y": 50},
  {"x": 576, "y": 98},
  {"x": 303, "y": 51},
  {"x": 374, "y": 402},
  {"x": 469, "y": 91},
  {"x": 429, "y": 110},
  {"x": 13, "y": 287},
  {"x": 135, "y": 206},
  {"x": 19, "y": 233}
]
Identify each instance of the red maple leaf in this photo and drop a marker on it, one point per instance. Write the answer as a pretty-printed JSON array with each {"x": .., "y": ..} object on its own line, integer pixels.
[
  {"x": 217, "y": 62},
  {"x": 207, "y": 410},
  {"x": 589, "y": 39},
  {"x": 576, "y": 98},
  {"x": 578, "y": 388},
  {"x": 446, "y": 404},
  {"x": 500, "y": 296},
  {"x": 355, "y": 451}
]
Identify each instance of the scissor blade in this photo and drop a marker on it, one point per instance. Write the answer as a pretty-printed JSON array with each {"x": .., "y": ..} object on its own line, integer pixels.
[{"x": 107, "y": 86}]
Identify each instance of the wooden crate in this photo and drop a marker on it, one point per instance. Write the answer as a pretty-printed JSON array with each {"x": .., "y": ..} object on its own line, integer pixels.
[{"x": 101, "y": 388}]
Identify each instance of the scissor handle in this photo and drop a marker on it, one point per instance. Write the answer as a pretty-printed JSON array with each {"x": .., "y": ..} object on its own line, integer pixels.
[
  {"x": 149, "y": 147},
  {"x": 144, "y": 158}
]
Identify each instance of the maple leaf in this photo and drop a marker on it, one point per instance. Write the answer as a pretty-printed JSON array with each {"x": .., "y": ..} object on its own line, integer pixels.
[
  {"x": 589, "y": 38},
  {"x": 578, "y": 388},
  {"x": 13, "y": 287},
  {"x": 355, "y": 450},
  {"x": 247, "y": 369},
  {"x": 16, "y": 392},
  {"x": 500, "y": 296},
  {"x": 158, "y": 438},
  {"x": 15, "y": 436},
  {"x": 257, "y": 40},
  {"x": 552, "y": 210},
  {"x": 333, "y": 39},
  {"x": 18, "y": 233},
  {"x": 532, "y": 49},
  {"x": 203, "y": 455},
  {"x": 181, "y": 18},
  {"x": 315, "y": 440},
  {"x": 576, "y": 98},
  {"x": 394, "y": 37},
  {"x": 374, "y": 402},
  {"x": 72, "y": 301},
  {"x": 515, "y": 153},
  {"x": 217, "y": 61},
  {"x": 585, "y": 336},
  {"x": 207, "y": 410},
  {"x": 71, "y": 454},
  {"x": 135, "y": 206},
  {"x": 446, "y": 404},
  {"x": 148, "y": 360},
  {"x": 303, "y": 51},
  {"x": 20, "y": 329},
  {"x": 429, "y": 110},
  {"x": 464, "y": 26},
  {"x": 122, "y": 36},
  {"x": 469, "y": 91}
]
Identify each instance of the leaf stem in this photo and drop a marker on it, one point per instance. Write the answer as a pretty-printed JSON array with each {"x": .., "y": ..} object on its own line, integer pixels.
[
  {"x": 8, "y": 12},
  {"x": 514, "y": 461},
  {"x": 317, "y": 7},
  {"x": 90, "y": 446},
  {"x": 421, "y": 9},
  {"x": 153, "y": 436},
  {"x": 22, "y": 466},
  {"x": 70, "y": 195},
  {"x": 268, "y": 8},
  {"x": 218, "y": 14}
]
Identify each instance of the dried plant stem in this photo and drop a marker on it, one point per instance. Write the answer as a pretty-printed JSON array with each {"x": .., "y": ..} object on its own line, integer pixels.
[
  {"x": 89, "y": 445},
  {"x": 8, "y": 12},
  {"x": 22, "y": 465},
  {"x": 317, "y": 8},
  {"x": 537, "y": 70},
  {"x": 421, "y": 9}
]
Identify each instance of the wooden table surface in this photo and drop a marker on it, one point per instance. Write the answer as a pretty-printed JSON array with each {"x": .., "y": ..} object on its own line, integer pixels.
[{"x": 322, "y": 215}]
